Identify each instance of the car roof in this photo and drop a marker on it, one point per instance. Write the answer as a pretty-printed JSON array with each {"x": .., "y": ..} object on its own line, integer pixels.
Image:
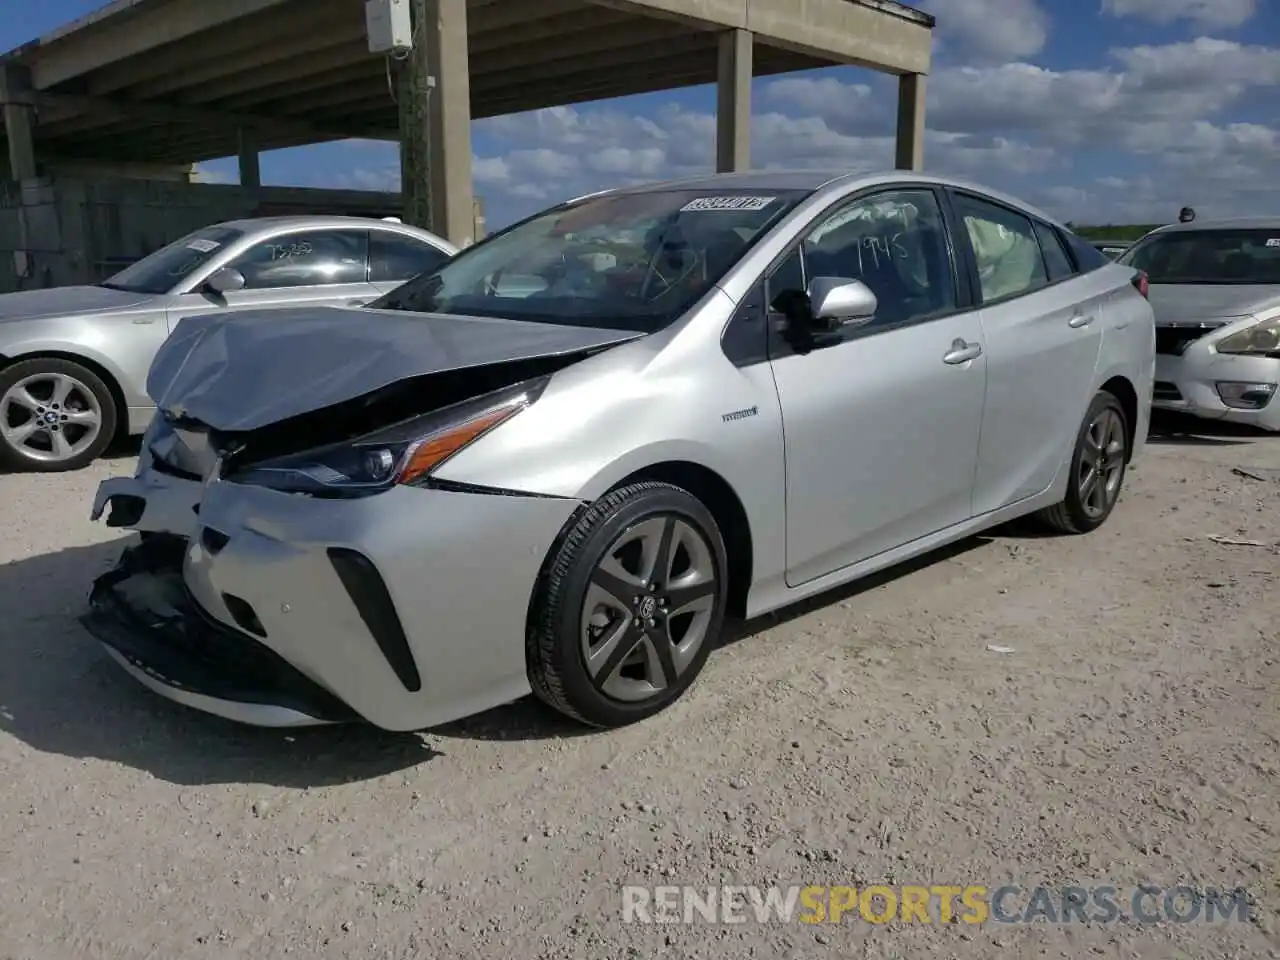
[
  {"x": 321, "y": 221},
  {"x": 812, "y": 180},
  {"x": 1229, "y": 223}
]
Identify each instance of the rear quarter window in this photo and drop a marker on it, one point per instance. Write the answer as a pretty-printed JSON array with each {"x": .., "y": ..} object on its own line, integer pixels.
[
  {"x": 1087, "y": 257},
  {"x": 1056, "y": 258}
]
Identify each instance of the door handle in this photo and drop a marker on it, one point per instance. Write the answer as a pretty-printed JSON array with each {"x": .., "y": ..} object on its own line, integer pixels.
[
  {"x": 1080, "y": 320},
  {"x": 962, "y": 352}
]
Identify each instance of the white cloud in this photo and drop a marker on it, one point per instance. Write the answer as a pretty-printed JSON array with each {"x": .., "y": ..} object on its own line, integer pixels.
[
  {"x": 1169, "y": 115},
  {"x": 991, "y": 30},
  {"x": 382, "y": 179},
  {"x": 203, "y": 173},
  {"x": 1167, "y": 105},
  {"x": 567, "y": 151},
  {"x": 1181, "y": 82},
  {"x": 1206, "y": 14}
]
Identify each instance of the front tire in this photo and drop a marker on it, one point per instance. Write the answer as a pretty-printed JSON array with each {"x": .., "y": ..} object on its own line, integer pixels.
[
  {"x": 631, "y": 605},
  {"x": 1098, "y": 465},
  {"x": 55, "y": 415}
]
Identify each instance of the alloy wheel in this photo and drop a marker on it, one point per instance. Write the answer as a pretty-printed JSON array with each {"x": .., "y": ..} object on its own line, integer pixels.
[
  {"x": 1101, "y": 463},
  {"x": 648, "y": 608},
  {"x": 50, "y": 417}
]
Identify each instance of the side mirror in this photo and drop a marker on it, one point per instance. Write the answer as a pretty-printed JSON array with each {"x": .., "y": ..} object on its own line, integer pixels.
[
  {"x": 838, "y": 302},
  {"x": 226, "y": 280}
]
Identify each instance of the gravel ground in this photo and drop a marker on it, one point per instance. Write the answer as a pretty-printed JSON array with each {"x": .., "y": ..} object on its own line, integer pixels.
[{"x": 1132, "y": 735}]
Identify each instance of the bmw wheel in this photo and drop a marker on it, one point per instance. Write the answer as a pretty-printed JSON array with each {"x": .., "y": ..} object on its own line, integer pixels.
[
  {"x": 54, "y": 415},
  {"x": 630, "y": 607},
  {"x": 1097, "y": 469}
]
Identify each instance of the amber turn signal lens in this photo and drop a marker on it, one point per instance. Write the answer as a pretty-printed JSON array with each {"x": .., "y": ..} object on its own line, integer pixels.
[{"x": 437, "y": 448}]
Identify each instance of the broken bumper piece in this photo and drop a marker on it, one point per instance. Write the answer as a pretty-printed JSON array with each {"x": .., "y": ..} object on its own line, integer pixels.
[
  {"x": 142, "y": 612},
  {"x": 150, "y": 501}
]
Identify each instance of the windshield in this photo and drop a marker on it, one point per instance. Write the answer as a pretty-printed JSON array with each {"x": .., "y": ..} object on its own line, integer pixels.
[
  {"x": 632, "y": 262},
  {"x": 158, "y": 272},
  {"x": 1209, "y": 257}
]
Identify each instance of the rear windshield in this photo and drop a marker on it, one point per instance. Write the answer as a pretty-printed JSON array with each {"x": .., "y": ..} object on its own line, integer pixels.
[{"x": 1209, "y": 256}]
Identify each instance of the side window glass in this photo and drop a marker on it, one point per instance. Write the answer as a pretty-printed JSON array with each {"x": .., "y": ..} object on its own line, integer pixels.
[
  {"x": 1056, "y": 259},
  {"x": 895, "y": 243},
  {"x": 313, "y": 258},
  {"x": 1005, "y": 248},
  {"x": 784, "y": 288},
  {"x": 1088, "y": 256},
  {"x": 787, "y": 279},
  {"x": 394, "y": 258}
]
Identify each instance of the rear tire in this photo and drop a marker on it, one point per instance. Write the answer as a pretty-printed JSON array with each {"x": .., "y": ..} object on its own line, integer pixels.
[
  {"x": 1098, "y": 465},
  {"x": 630, "y": 606},
  {"x": 55, "y": 415}
]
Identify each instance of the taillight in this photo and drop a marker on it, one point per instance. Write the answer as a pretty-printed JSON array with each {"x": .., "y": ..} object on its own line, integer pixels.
[{"x": 1140, "y": 283}]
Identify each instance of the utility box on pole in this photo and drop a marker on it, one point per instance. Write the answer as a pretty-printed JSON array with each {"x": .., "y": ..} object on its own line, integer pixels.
[{"x": 389, "y": 25}]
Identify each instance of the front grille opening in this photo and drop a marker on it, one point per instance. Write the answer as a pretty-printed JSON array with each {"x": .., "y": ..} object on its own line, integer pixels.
[
  {"x": 213, "y": 540},
  {"x": 1173, "y": 341},
  {"x": 372, "y": 601},
  {"x": 243, "y": 614},
  {"x": 1166, "y": 391}
]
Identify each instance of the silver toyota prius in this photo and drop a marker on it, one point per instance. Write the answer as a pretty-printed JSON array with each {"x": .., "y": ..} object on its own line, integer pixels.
[{"x": 557, "y": 462}]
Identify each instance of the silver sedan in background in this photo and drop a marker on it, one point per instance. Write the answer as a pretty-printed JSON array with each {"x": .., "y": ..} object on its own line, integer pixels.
[
  {"x": 1215, "y": 288},
  {"x": 565, "y": 455},
  {"x": 74, "y": 360}
]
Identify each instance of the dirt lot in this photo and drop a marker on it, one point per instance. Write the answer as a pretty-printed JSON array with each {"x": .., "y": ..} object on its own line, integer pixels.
[{"x": 1131, "y": 736}]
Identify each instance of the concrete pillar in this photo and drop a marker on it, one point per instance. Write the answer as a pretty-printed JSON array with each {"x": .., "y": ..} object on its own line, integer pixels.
[
  {"x": 449, "y": 120},
  {"x": 435, "y": 123},
  {"x": 19, "y": 120},
  {"x": 250, "y": 169},
  {"x": 909, "y": 154},
  {"x": 733, "y": 102}
]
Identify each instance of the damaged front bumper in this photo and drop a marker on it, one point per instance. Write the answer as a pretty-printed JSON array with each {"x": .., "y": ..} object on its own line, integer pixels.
[
  {"x": 406, "y": 609},
  {"x": 151, "y": 501},
  {"x": 142, "y": 612}
]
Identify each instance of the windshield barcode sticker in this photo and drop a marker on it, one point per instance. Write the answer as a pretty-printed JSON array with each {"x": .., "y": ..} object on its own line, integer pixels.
[
  {"x": 203, "y": 246},
  {"x": 727, "y": 204},
  {"x": 1274, "y": 242}
]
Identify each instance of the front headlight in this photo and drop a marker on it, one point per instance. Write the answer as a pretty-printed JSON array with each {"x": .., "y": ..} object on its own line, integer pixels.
[
  {"x": 406, "y": 453},
  {"x": 1260, "y": 340}
]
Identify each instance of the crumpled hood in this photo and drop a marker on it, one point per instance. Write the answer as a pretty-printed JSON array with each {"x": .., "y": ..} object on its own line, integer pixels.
[
  {"x": 1188, "y": 303},
  {"x": 242, "y": 371},
  {"x": 66, "y": 302}
]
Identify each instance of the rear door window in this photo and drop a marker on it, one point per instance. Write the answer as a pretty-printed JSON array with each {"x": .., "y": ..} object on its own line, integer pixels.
[{"x": 1005, "y": 248}]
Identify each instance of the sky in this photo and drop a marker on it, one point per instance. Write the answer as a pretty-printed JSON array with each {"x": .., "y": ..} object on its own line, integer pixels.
[{"x": 1099, "y": 111}]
